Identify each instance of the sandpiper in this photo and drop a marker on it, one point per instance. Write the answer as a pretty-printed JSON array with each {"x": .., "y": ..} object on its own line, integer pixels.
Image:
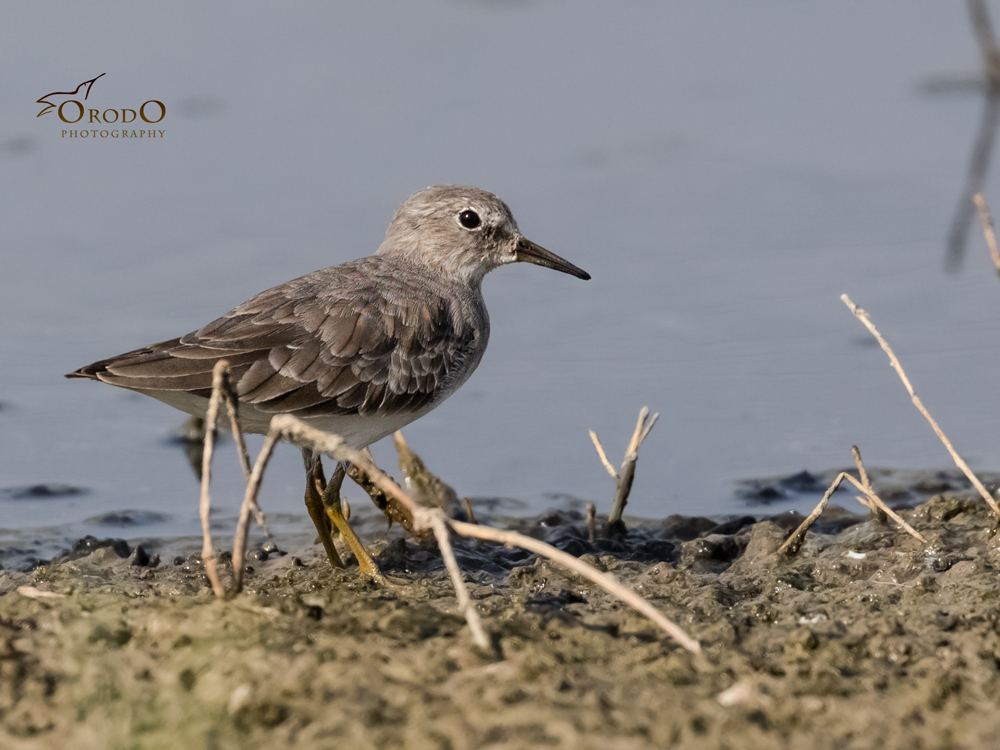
[{"x": 360, "y": 349}]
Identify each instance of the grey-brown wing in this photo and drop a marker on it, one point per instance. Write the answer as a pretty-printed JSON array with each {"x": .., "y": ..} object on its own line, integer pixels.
[{"x": 362, "y": 353}]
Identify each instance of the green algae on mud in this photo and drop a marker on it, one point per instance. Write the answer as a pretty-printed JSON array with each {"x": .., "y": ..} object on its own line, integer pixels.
[{"x": 866, "y": 638}]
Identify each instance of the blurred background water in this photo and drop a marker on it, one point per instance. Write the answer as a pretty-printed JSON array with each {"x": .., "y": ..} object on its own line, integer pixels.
[{"x": 724, "y": 171}]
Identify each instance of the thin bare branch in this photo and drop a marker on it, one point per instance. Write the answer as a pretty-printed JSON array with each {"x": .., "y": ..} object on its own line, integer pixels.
[
  {"x": 211, "y": 418},
  {"x": 603, "y": 455},
  {"x": 31, "y": 592},
  {"x": 856, "y": 452},
  {"x": 878, "y": 515},
  {"x": 394, "y": 511},
  {"x": 649, "y": 427},
  {"x": 232, "y": 407},
  {"x": 985, "y": 38},
  {"x": 877, "y": 502},
  {"x": 870, "y": 500},
  {"x": 866, "y": 321},
  {"x": 794, "y": 542},
  {"x": 987, "y": 221},
  {"x": 467, "y": 504},
  {"x": 301, "y": 434},
  {"x": 591, "y": 521},
  {"x": 979, "y": 164},
  {"x": 581, "y": 568},
  {"x": 633, "y": 442},
  {"x": 627, "y": 472},
  {"x": 438, "y": 521},
  {"x": 250, "y": 501},
  {"x": 222, "y": 389}
]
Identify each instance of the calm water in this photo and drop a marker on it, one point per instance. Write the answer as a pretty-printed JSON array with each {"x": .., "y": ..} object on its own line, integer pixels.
[{"x": 724, "y": 172}]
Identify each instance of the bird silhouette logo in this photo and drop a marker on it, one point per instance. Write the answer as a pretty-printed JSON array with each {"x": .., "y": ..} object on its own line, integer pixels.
[{"x": 49, "y": 105}]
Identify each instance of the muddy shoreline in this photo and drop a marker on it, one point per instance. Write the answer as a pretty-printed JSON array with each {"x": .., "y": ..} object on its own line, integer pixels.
[{"x": 865, "y": 638}]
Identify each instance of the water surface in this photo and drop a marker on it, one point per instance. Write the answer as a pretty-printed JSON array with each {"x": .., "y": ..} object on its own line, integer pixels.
[{"x": 724, "y": 172}]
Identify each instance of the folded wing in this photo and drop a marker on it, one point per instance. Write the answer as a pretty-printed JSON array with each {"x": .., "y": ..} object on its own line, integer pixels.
[{"x": 367, "y": 350}]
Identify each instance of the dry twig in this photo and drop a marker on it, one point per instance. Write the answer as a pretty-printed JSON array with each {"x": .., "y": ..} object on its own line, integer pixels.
[
  {"x": 626, "y": 474},
  {"x": 979, "y": 160},
  {"x": 986, "y": 39},
  {"x": 211, "y": 418},
  {"x": 603, "y": 455},
  {"x": 222, "y": 388},
  {"x": 440, "y": 526},
  {"x": 794, "y": 542},
  {"x": 871, "y": 501},
  {"x": 878, "y": 515},
  {"x": 880, "y": 511},
  {"x": 863, "y": 317},
  {"x": 875, "y": 500},
  {"x": 30, "y": 592},
  {"x": 512, "y": 538},
  {"x": 987, "y": 221},
  {"x": 249, "y": 502},
  {"x": 232, "y": 406}
]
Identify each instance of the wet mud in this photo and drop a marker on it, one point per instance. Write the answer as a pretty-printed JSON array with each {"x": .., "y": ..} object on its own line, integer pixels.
[{"x": 866, "y": 638}]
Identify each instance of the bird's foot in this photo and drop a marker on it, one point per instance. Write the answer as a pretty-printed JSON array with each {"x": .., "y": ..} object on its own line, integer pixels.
[
  {"x": 335, "y": 514},
  {"x": 316, "y": 488}
]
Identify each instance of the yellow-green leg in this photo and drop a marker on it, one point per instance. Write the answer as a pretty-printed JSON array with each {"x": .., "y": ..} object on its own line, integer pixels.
[
  {"x": 315, "y": 488},
  {"x": 335, "y": 513}
]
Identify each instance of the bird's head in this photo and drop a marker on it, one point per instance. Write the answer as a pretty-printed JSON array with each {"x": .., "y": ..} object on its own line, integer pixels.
[{"x": 465, "y": 233}]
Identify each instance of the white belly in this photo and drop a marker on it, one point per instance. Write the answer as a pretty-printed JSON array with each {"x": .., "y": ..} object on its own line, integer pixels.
[{"x": 358, "y": 431}]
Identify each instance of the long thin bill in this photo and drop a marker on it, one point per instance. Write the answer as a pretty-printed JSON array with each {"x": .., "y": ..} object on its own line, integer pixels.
[{"x": 529, "y": 252}]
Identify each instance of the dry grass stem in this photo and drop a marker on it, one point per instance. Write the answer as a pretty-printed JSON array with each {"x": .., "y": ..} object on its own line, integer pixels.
[
  {"x": 302, "y": 434},
  {"x": 438, "y": 523},
  {"x": 591, "y": 521},
  {"x": 250, "y": 501},
  {"x": 986, "y": 39},
  {"x": 603, "y": 455},
  {"x": 222, "y": 389},
  {"x": 467, "y": 504},
  {"x": 624, "y": 476},
  {"x": 979, "y": 159},
  {"x": 870, "y": 500},
  {"x": 211, "y": 418},
  {"x": 609, "y": 584},
  {"x": 987, "y": 221},
  {"x": 30, "y": 592},
  {"x": 394, "y": 511},
  {"x": 866, "y": 321},
  {"x": 876, "y": 501},
  {"x": 878, "y": 515},
  {"x": 232, "y": 407},
  {"x": 794, "y": 542}
]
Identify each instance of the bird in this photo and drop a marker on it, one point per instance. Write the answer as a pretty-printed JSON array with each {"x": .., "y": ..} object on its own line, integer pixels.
[{"x": 359, "y": 349}]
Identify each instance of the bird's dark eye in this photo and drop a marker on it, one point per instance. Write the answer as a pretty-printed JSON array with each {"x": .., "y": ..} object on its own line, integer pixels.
[{"x": 469, "y": 219}]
